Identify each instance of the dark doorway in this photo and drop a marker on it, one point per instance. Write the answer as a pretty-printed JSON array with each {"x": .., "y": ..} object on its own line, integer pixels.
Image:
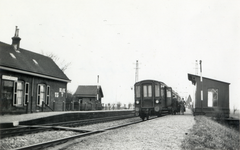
[{"x": 7, "y": 95}]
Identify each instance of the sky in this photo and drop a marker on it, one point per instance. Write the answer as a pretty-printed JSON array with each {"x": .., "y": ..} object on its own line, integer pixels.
[{"x": 107, "y": 37}]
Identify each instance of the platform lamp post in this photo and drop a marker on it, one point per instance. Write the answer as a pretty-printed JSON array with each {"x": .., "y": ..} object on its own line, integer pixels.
[{"x": 200, "y": 62}]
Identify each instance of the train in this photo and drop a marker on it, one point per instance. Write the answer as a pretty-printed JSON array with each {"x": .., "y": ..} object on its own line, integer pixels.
[{"x": 154, "y": 98}]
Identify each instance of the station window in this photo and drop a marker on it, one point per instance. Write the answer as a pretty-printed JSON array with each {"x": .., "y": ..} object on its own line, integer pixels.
[
  {"x": 157, "y": 90},
  {"x": 212, "y": 97},
  {"x": 7, "y": 93},
  {"x": 18, "y": 93},
  {"x": 56, "y": 94},
  {"x": 147, "y": 90},
  {"x": 137, "y": 91}
]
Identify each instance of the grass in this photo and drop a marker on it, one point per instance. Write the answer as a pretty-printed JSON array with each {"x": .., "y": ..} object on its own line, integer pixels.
[{"x": 207, "y": 134}]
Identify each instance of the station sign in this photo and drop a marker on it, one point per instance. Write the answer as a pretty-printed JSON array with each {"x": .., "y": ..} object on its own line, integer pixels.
[{"x": 9, "y": 78}]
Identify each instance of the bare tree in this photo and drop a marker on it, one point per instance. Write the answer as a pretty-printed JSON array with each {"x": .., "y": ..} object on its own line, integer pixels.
[
  {"x": 119, "y": 105},
  {"x": 113, "y": 106},
  {"x": 129, "y": 105},
  {"x": 62, "y": 64},
  {"x": 234, "y": 109}
]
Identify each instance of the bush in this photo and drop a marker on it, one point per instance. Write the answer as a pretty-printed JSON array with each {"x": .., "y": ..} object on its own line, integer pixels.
[{"x": 219, "y": 115}]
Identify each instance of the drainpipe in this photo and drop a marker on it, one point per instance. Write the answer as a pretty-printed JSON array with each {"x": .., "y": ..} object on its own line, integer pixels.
[
  {"x": 32, "y": 95},
  {"x": 201, "y": 86}
]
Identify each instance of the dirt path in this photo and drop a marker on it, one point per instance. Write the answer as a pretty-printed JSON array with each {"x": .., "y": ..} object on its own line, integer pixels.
[{"x": 162, "y": 133}]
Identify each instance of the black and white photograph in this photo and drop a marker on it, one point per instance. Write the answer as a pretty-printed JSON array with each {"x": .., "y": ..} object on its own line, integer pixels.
[{"x": 119, "y": 74}]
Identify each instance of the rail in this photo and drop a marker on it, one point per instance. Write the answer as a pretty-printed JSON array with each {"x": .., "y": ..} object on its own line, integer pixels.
[
  {"x": 64, "y": 140},
  {"x": 28, "y": 129},
  {"x": 44, "y": 104}
]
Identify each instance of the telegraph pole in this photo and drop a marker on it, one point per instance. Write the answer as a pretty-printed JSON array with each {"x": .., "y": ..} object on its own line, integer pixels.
[
  {"x": 196, "y": 68},
  {"x": 136, "y": 73}
]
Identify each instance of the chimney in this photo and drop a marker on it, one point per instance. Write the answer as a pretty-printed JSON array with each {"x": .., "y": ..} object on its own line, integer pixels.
[{"x": 16, "y": 40}]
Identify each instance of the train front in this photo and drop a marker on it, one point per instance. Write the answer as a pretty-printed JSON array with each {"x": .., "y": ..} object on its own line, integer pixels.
[{"x": 147, "y": 98}]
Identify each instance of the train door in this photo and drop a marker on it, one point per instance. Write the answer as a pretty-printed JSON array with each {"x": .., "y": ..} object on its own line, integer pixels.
[
  {"x": 163, "y": 99},
  {"x": 147, "y": 101},
  {"x": 137, "y": 96}
]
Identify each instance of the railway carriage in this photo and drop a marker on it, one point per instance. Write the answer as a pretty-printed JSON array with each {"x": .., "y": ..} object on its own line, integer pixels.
[{"x": 152, "y": 98}]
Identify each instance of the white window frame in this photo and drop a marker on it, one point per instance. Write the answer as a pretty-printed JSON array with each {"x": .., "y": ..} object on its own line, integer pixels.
[
  {"x": 211, "y": 97},
  {"x": 48, "y": 95},
  {"x": 26, "y": 97},
  {"x": 17, "y": 95},
  {"x": 41, "y": 98}
]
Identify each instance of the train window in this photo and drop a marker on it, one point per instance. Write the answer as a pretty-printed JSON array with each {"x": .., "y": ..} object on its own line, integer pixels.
[
  {"x": 168, "y": 93},
  {"x": 212, "y": 97},
  {"x": 147, "y": 91},
  {"x": 137, "y": 91},
  {"x": 144, "y": 91},
  {"x": 157, "y": 90}
]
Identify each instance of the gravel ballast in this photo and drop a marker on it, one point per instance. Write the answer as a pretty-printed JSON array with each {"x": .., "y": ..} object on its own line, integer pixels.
[
  {"x": 31, "y": 139},
  {"x": 162, "y": 133}
]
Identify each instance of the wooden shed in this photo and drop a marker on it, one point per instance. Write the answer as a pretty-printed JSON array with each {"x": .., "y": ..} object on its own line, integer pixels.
[
  {"x": 215, "y": 96},
  {"x": 88, "y": 97}
]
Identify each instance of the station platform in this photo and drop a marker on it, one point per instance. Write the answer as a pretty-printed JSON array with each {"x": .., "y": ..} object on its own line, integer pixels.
[{"x": 8, "y": 121}]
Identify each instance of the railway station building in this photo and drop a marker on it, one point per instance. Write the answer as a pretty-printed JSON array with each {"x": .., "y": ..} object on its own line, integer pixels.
[
  {"x": 88, "y": 97},
  {"x": 29, "y": 82},
  {"x": 214, "y": 99}
]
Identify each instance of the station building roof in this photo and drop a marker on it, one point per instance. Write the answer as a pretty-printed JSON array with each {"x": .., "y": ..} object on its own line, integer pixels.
[
  {"x": 88, "y": 91},
  {"x": 27, "y": 62},
  {"x": 192, "y": 78}
]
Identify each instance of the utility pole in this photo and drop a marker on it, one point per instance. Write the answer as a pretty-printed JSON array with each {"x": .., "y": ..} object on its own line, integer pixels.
[
  {"x": 136, "y": 73},
  {"x": 196, "y": 68}
]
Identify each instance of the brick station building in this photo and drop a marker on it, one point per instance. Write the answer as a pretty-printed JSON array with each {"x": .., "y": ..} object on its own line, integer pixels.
[{"x": 29, "y": 82}]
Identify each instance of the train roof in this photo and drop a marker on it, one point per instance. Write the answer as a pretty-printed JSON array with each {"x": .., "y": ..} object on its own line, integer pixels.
[
  {"x": 176, "y": 93},
  {"x": 150, "y": 80}
]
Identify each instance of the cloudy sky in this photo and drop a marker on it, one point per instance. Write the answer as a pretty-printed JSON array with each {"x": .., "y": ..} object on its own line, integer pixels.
[{"x": 106, "y": 37}]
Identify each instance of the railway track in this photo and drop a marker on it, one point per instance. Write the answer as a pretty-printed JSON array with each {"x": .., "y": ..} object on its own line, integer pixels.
[
  {"x": 64, "y": 140},
  {"x": 29, "y": 129},
  {"x": 56, "y": 142}
]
